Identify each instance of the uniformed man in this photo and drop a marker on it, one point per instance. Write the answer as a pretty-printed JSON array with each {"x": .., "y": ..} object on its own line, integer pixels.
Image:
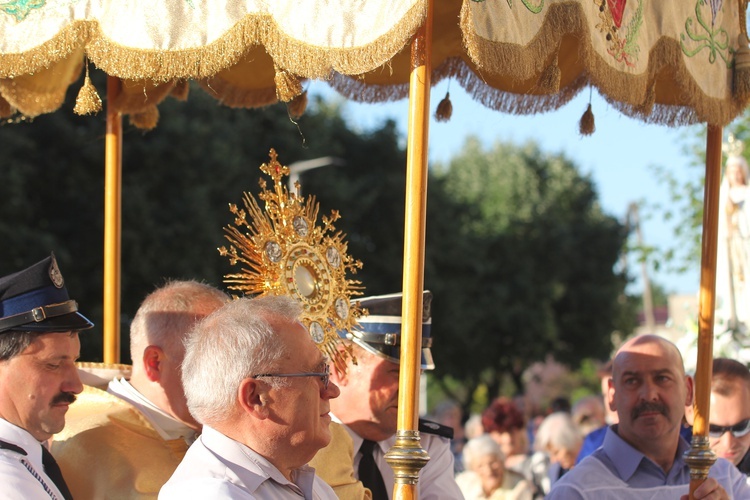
[
  {"x": 368, "y": 405},
  {"x": 39, "y": 346},
  {"x": 126, "y": 441}
]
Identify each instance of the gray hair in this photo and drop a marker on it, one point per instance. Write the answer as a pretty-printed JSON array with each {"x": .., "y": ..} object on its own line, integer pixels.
[
  {"x": 168, "y": 313},
  {"x": 14, "y": 343},
  {"x": 558, "y": 430},
  {"x": 478, "y": 447},
  {"x": 228, "y": 346}
]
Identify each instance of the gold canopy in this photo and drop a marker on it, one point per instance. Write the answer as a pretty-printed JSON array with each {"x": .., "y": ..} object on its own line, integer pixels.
[{"x": 669, "y": 62}]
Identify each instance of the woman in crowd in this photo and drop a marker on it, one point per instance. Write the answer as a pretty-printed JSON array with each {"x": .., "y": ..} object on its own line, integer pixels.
[
  {"x": 486, "y": 476},
  {"x": 505, "y": 423},
  {"x": 559, "y": 437}
]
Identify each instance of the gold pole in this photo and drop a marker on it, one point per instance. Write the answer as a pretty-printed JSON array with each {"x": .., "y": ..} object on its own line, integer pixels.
[
  {"x": 112, "y": 225},
  {"x": 407, "y": 457},
  {"x": 700, "y": 457}
]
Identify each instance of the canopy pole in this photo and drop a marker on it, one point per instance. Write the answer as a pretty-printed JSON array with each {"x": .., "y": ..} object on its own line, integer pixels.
[
  {"x": 700, "y": 457},
  {"x": 112, "y": 224},
  {"x": 407, "y": 457}
]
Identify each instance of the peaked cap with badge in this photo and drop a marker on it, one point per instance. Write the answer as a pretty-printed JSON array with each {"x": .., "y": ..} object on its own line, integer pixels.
[
  {"x": 35, "y": 300},
  {"x": 379, "y": 332}
]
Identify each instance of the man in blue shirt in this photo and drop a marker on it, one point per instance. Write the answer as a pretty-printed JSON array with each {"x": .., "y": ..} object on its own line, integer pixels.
[{"x": 642, "y": 456}]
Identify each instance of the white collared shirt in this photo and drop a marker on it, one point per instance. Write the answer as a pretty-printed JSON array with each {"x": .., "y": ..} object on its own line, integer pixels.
[
  {"x": 436, "y": 479},
  {"x": 219, "y": 467},
  {"x": 22, "y": 477},
  {"x": 165, "y": 424}
]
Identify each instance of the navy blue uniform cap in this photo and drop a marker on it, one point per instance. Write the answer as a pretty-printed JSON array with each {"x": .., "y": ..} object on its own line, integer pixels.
[
  {"x": 380, "y": 331},
  {"x": 36, "y": 300}
]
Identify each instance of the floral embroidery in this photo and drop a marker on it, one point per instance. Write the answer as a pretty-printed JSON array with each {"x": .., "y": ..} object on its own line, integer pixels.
[
  {"x": 534, "y": 9},
  {"x": 624, "y": 50},
  {"x": 21, "y": 8},
  {"x": 715, "y": 40}
]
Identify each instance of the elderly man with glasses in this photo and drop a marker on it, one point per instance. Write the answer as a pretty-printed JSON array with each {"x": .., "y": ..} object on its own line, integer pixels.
[
  {"x": 259, "y": 385},
  {"x": 729, "y": 429}
]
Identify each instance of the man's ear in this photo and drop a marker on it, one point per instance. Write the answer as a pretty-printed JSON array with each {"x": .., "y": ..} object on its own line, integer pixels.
[
  {"x": 689, "y": 395},
  {"x": 251, "y": 399},
  {"x": 153, "y": 356},
  {"x": 611, "y": 394}
]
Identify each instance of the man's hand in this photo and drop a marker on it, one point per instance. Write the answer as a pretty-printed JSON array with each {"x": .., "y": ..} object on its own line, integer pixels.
[{"x": 709, "y": 490}]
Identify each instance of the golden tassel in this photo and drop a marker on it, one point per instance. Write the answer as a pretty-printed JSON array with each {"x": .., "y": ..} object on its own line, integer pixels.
[
  {"x": 180, "y": 90},
  {"x": 444, "y": 109},
  {"x": 587, "y": 125},
  {"x": 741, "y": 76},
  {"x": 288, "y": 85},
  {"x": 88, "y": 101},
  {"x": 145, "y": 120},
  {"x": 549, "y": 80},
  {"x": 6, "y": 110},
  {"x": 297, "y": 106}
]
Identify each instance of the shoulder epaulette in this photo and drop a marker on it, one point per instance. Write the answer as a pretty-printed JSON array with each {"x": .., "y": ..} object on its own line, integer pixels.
[
  {"x": 430, "y": 427},
  {"x": 12, "y": 447}
]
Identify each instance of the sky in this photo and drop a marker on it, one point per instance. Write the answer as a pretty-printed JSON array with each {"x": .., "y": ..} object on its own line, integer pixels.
[{"x": 619, "y": 156}]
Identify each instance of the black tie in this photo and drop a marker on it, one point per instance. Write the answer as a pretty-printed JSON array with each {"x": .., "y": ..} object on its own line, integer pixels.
[
  {"x": 53, "y": 472},
  {"x": 369, "y": 473}
]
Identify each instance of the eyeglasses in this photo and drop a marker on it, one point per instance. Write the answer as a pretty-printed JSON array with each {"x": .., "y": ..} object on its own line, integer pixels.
[
  {"x": 324, "y": 375},
  {"x": 738, "y": 430}
]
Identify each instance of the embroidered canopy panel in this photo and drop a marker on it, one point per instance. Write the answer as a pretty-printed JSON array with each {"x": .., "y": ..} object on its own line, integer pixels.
[{"x": 665, "y": 61}]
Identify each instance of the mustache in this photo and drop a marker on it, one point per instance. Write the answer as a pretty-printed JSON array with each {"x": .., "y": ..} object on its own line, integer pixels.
[
  {"x": 649, "y": 407},
  {"x": 64, "y": 397}
]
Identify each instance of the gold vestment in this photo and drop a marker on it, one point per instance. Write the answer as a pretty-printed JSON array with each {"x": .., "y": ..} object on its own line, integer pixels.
[
  {"x": 108, "y": 450},
  {"x": 335, "y": 465}
]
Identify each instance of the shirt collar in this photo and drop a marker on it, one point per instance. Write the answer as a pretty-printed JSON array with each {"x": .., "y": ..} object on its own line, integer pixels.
[
  {"x": 165, "y": 424},
  {"x": 23, "y": 439},
  {"x": 251, "y": 468},
  {"x": 628, "y": 458}
]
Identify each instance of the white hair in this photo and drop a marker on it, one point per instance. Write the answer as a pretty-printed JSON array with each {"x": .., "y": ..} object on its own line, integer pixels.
[
  {"x": 478, "y": 447},
  {"x": 168, "y": 313},
  {"x": 558, "y": 430},
  {"x": 229, "y": 345}
]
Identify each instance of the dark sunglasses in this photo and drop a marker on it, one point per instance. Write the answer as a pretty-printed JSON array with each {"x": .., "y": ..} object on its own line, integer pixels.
[
  {"x": 324, "y": 375},
  {"x": 738, "y": 430}
]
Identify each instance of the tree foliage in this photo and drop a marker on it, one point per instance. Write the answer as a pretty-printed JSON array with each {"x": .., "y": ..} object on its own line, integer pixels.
[
  {"x": 519, "y": 256},
  {"x": 531, "y": 270}
]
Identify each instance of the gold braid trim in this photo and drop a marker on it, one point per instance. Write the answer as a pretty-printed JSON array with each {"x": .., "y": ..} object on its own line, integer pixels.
[
  {"x": 565, "y": 30},
  {"x": 299, "y": 58}
]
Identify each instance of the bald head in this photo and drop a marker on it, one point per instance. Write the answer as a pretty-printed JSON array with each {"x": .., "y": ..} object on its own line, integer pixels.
[{"x": 648, "y": 345}]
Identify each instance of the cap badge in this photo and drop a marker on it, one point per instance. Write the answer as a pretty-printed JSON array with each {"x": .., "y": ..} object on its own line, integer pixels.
[{"x": 55, "y": 275}]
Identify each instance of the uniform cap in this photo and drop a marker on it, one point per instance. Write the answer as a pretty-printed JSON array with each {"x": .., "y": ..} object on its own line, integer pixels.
[
  {"x": 379, "y": 332},
  {"x": 36, "y": 300}
]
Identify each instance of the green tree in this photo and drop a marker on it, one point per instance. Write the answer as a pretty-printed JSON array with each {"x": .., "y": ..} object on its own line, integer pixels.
[{"x": 530, "y": 269}]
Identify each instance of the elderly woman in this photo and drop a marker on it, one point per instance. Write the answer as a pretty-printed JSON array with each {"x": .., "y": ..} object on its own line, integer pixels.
[
  {"x": 559, "y": 437},
  {"x": 505, "y": 423},
  {"x": 486, "y": 476}
]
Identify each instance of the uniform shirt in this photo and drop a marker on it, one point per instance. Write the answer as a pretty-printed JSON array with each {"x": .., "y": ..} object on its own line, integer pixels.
[
  {"x": 436, "y": 479},
  {"x": 22, "y": 477},
  {"x": 218, "y": 467},
  {"x": 617, "y": 471}
]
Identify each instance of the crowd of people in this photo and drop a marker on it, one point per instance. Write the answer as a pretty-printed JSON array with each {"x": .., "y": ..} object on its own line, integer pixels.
[{"x": 234, "y": 399}]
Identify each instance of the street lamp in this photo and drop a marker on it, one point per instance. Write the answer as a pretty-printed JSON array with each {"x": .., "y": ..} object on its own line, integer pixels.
[{"x": 296, "y": 168}]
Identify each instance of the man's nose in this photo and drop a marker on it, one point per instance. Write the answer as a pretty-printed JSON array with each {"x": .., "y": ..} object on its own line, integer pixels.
[
  {"x": 649, "y": 391},
  {"x": 332, "y": 391},
  {"x": 72, "y": 382}
]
